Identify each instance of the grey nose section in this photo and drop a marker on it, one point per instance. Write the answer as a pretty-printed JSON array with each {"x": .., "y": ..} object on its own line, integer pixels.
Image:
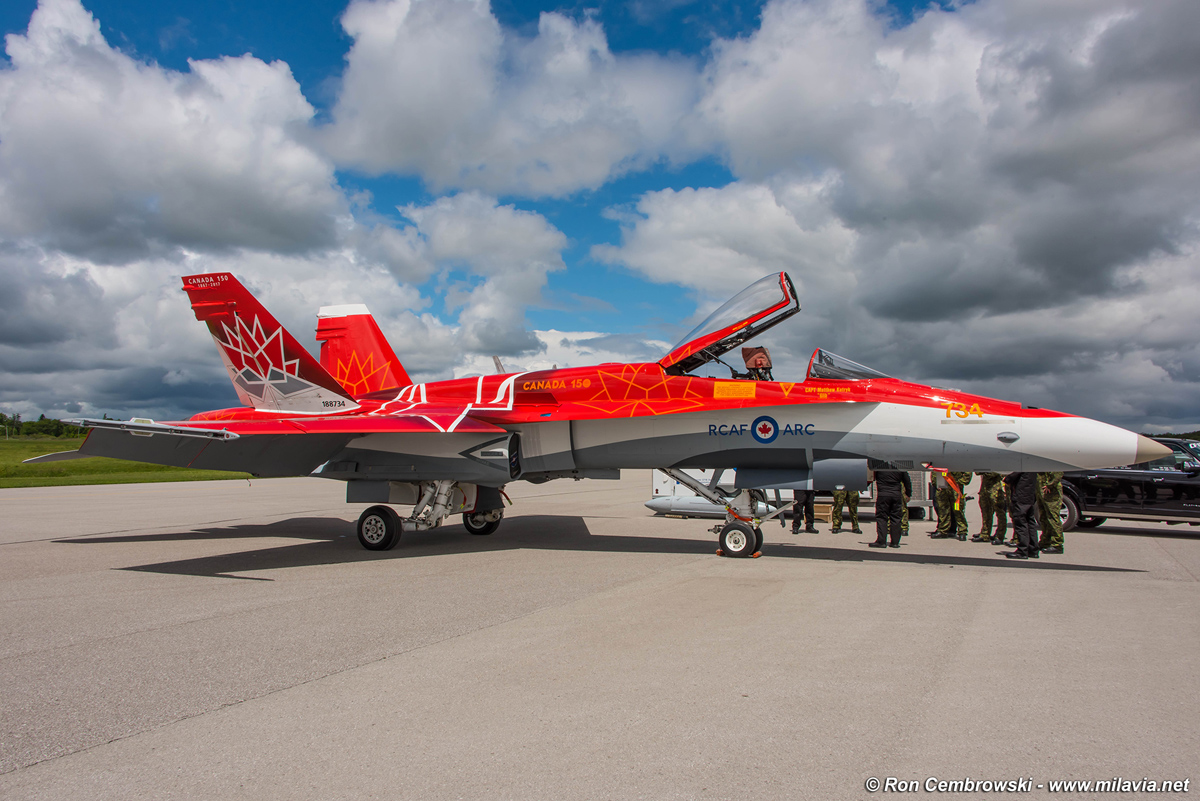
[{"x": 1148, "y": 450}]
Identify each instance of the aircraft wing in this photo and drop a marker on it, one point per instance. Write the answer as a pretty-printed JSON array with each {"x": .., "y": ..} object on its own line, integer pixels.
[{"x": 263, "y": 447}]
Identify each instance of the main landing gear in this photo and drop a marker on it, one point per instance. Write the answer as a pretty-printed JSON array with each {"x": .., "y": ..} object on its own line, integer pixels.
[
  {"x": 740, "y": 536},
  {"x": 482, "y": 523},
  {"x": 379, "y": 527}
]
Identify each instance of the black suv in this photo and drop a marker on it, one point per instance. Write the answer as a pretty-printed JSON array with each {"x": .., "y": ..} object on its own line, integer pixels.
[{"x": 1166, "y": 489}]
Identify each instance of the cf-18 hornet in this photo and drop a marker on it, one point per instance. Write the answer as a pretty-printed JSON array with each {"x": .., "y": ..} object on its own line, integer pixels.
[{"x": 450, "y": 447}]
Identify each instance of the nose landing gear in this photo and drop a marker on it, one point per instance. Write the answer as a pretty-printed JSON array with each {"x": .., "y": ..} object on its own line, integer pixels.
[
  {"x": 740, "y": 536},
  {"x": 739, "y": 539}
]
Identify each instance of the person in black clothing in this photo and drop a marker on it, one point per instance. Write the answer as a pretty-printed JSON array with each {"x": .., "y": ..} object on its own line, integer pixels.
[
  {"x": 891, "y": 486},
  {"x": 804, "y": 499},
  {"x": 1022, "y": 494}
]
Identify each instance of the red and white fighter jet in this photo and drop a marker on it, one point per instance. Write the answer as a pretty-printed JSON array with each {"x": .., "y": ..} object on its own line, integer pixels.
[{"x": 449, "y": 447}]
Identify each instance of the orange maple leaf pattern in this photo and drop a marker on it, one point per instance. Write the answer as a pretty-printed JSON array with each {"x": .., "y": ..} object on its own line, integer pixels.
[
  {"x": 633, "y": 390},
  {"x": 360, "y": 377}
]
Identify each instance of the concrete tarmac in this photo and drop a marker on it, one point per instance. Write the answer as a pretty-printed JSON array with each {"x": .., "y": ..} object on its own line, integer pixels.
[{"x": 230, "y": 640}]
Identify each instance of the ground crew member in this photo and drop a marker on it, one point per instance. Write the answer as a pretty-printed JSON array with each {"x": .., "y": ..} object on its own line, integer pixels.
[
  {"x": 1049, "y": 503},
  {"x": 942, "y": 500},
  {"x": 804, "y": 501},
  {"x": 992, "y": 503},
  {"x": 890, "y": 487},
  {"x": 1022, "y": 495},
  {"x": 952, "y": 522},
  {"x": 847, "y": 498},
  {"x": 904, "y": 512},
  {"x": 960, "y": 509}
]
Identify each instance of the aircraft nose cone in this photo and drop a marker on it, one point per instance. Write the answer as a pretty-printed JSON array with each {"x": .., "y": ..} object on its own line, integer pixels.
[{"x": 1148, "y": 450}]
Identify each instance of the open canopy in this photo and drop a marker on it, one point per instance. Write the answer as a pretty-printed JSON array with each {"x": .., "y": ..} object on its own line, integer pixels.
[{"x": 766, "y": 302}]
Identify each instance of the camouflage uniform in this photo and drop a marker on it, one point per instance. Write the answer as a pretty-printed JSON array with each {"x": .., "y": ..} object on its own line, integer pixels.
[
  {"x": 992, "y": 502},
  {"x": 1049, "y": 504},
  {"x": 949, "y": 509},
  {"x": 845, "y": 498},
  {"x": 904, "y": 516}
]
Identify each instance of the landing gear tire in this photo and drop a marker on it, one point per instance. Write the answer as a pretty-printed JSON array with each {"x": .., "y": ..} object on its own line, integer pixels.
[
  {"x": 738, "y": 539},
  {"x": 1090, "y": 522},
  {"x": 758, "y": 539},
  {"x": 479, "y": 524},
  {"x": 379, "y": 528}
]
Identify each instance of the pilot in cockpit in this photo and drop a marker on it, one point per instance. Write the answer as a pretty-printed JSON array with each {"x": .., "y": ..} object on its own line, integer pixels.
[{"x": 758, "y": 364}]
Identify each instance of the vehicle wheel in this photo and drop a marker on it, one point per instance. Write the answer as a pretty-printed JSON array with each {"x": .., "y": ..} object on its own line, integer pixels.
[
  {"x": 916, "y": 513},
  {"x": 1069, "y": 513},
  {"x": 479, "y": 524},
  {"x": 737, "y": 539},
  {"x": 758, "y": 539},
  {"x": 1090, "y": 522},
  {"x": 379, "y": 528}
]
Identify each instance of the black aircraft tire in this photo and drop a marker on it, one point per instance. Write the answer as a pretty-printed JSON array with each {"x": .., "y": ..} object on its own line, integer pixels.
[
  {"x": 758, "y": 539},
  {"x": 478, "y": 524},
  {"x": 1090, "y": 522},
  {"x": 378, "y": 528},
  {"x": 916, "y": 513},
  {"x": 737, "y": 539}
]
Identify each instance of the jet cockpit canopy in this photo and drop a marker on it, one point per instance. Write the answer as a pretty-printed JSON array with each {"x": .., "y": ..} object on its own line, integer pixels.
[
  {"x": 765, "y": 303},
  {"x": 824, "y": 364}
]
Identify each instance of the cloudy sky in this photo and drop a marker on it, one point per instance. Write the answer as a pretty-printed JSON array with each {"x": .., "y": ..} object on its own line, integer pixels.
[{"x": 1001, "y": 196}]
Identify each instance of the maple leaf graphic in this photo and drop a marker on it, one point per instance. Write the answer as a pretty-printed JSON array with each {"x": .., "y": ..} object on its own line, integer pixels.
[
  {"x": 764, "y": 429},
  {"x": 251, "y": 346}
]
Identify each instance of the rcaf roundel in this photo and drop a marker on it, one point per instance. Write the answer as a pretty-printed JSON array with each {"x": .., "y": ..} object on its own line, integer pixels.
[{"x": 765, "y": 429}]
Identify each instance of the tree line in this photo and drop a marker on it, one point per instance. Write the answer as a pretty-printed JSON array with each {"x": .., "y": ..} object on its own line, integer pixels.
[{"x": 44, "y": 426}]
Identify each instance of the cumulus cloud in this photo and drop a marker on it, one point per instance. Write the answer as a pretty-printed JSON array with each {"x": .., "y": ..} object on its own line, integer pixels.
[
  {"x": 511, "y": 250},
  {"x": 114, "y": 159},
  {"x": 718, "y": 240},
  {"x": 437, "y": 88},
  {"x": 1040, "y": 144},
  {"x": 570, "y": 349}
]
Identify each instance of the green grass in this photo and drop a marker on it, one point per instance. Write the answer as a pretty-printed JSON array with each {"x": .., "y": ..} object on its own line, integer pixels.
[{"x": 95, "y": 470}]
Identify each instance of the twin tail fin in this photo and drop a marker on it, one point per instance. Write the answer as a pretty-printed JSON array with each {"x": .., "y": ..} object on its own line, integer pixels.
[
  {"x": 270, "y": 370},
  {"x": 355, "y": 351}
]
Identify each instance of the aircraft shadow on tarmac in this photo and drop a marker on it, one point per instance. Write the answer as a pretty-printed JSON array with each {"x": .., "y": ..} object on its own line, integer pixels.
[{"x": 329, "y": 541}]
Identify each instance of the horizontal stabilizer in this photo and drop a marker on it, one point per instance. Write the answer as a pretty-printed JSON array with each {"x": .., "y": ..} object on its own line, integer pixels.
[
  {"x": 270, "y": 370},
  {"x": 270, "y": 455},
  {"x": 147, "y": 428},
  {"x": 61, "y": 456}
]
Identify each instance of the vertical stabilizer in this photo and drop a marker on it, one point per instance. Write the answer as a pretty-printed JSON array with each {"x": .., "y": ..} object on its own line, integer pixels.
[
  {"x": 270, "y": 370},
  {"x": 355, "y": 351}
]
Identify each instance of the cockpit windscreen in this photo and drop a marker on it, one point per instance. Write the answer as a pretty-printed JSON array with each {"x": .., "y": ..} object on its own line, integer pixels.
[{"x": 824, "y": 364}]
